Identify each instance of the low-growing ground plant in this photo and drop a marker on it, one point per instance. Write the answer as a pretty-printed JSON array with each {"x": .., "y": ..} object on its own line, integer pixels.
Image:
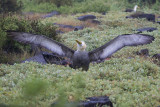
[
  {"x": 20, "y": 24},
  {"x": 69, "y": 7},
  {"x": 10, "y": 6},
  {"x": 126, "y": 78},
  {"x": 127, "y": 82},
  {"x": 79, "y": 6}
]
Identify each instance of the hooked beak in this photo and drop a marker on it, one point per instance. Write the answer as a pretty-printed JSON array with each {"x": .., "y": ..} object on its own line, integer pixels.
[{"x": 78, "y": 42}]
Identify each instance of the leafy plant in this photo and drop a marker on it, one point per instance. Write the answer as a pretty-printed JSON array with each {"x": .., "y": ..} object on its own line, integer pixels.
[
  {"x": 10, "y": 6},
  {"x": 68, "y": 6},
  {"x": 16, "y": 23}
]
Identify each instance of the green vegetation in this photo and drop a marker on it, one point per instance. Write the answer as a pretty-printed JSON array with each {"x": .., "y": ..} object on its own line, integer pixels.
[
  {"x": 10, "y": 6},
  {"x": 128, "y": 79},
  {"x": 76, "y": 7},
  {"x": 81, "y": 6},
  {"x": 73, "y": 6},
  {"x": 127, "y": 82},
  {"x": 21, "y": 24}
]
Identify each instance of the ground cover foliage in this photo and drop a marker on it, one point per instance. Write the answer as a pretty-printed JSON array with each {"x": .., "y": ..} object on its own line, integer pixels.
[
  {"x": 72, "y": 6},
  {"x": 81, "y": 6},
  {"x": 14, "y": 22},
  {"x": 127, "y": 82},
  {"x": 66, "y": 6},
  {"x": 128, "y": 79}
]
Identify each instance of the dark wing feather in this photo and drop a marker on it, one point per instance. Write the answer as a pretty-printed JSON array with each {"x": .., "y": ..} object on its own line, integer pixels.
[
  {"x": 117, "y": 43},
  {"x": 43, "y": 41}
]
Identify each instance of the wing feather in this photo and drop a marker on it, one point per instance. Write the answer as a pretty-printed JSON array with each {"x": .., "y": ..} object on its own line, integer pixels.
[
  {"x": 43, "y": 41},
  {"x": 118, "y": 43}
]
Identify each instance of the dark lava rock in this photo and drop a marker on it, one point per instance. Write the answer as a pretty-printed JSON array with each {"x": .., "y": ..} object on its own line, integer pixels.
[
  {"x": 158, "y": 22},
  {"x": 86, "y": 17},
  {"x": 149, "y": 17},
  {"x": 91, "y": 102},
  {"x": 76, "y": 28},
  {"x": 156, "y": 59},
  {"x": 148, "y": 29},
  {"x": 156, "y": 56},
  {"x": 96, "y": 101},
  {"x": 103, "y": 13},
  {"x": 95, "y": 21},
  {"x": 143, "y": 52},
  {"x": 51, "y": 14},
  {"x": 59, "y": 32}
]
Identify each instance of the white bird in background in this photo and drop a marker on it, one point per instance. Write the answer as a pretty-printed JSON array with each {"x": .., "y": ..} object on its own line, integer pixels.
[{"x": 132, "y": 10}]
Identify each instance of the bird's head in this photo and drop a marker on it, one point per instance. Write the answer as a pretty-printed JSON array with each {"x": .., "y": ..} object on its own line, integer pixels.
[
  {"x": 81, "y": 46},
  {"x": 135, "y": 8}
]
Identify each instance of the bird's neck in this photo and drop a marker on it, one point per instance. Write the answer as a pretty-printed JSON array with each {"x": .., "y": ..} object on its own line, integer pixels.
[
  {"x": 81, "y": 49},
  {"x": 135, "y": 9}
]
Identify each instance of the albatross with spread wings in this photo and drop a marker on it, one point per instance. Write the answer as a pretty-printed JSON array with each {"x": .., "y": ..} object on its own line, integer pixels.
[{"x": 80, "y": 57}]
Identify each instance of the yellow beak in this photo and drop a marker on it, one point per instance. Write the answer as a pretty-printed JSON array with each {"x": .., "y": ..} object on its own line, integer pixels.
[{"x": 78, "y": 42}]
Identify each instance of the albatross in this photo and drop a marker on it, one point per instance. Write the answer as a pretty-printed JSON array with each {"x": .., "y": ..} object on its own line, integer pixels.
[
  {"x": 81, "y": 58},
  {"x": 132, "y": 10}
]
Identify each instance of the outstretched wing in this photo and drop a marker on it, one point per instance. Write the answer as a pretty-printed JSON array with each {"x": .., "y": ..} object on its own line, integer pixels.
[
  {"x": 117, "y": 43},
  {"x": 43, "y": 41}
]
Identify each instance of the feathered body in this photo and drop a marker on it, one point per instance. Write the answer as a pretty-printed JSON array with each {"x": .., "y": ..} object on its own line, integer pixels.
[{"x": 79, "y": 61}]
